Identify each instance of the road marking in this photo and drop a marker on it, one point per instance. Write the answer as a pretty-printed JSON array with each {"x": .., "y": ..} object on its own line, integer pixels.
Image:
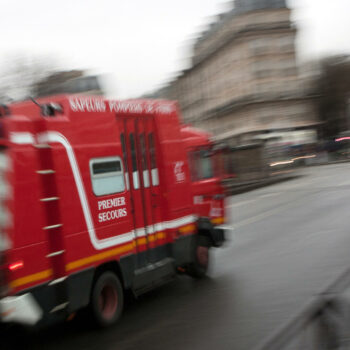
[
  {"x": 346, "y": 183},
  {"x": 266, "y": 214},
  {"x": 257, "y": 217},
  {"x": 234, "y": 205},
  {"x": 267, "y": 195},
  {"x": 300, "y": 185},
  {"x": 239, "y": 204}
]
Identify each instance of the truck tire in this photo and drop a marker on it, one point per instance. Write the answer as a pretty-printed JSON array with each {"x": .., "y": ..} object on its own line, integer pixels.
[
  {"x": 199, "y": 267},
  {"x": 106, "y": 299}
]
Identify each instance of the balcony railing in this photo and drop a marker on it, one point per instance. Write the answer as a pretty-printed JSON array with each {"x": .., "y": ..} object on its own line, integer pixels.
[{"x": 323, "y": 324}]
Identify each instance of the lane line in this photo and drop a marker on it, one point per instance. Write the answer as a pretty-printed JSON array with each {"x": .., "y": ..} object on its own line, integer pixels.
[
  {"x": 267, "y": 195},
  {"x": 234, "y": 205},
  {"x": 271, "y": 212},
  {"x": 248, "y": 201}
]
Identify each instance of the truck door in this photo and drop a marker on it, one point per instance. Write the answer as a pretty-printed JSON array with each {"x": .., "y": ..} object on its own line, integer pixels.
[
  {"x": 155, "y": 191},
  {"x": 150, "y": 183},
  {"x": 137, "y": 159}
]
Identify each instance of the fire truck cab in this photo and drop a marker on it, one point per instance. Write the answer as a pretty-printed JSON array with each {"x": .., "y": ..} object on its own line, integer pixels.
[{"x": 98, "y": 197}]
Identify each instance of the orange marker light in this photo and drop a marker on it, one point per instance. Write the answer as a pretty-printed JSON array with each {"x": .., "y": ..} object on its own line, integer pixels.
[{"x": 16, "y": 265}]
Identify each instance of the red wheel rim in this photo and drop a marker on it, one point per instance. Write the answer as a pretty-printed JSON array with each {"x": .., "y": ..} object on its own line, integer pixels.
[
  {"x": 108, "y": 301},
  {"x": 203, "y": 255}
]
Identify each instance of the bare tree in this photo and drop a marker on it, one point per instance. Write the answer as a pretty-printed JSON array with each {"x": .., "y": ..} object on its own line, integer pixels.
[{"x": 19, "y": 76}]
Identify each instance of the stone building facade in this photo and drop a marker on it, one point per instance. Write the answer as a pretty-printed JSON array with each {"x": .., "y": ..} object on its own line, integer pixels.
[
  {"x": 244, "y": 79},
  {"x": 69, "y": 82}
]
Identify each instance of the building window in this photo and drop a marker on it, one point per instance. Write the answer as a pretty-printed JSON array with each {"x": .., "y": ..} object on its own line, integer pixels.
[
  {"x": 259, "y": 46},
  {"x": 107, "y": 175}
]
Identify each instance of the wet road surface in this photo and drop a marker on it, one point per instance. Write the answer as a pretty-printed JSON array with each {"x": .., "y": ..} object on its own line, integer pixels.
[{"x": 290, "y": 241}]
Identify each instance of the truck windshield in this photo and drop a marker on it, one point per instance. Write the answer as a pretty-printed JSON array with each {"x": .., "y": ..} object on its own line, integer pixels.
[{"x": 201, "y": 165}]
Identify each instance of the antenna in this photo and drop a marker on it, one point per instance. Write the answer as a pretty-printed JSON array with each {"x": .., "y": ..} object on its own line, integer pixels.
[
  {"x": 48, "y": 109},
  {"x": 35, "y": 102}
]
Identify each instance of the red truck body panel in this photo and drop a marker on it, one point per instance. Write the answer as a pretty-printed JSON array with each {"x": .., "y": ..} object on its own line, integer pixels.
[{"x": 68, "y": 213}]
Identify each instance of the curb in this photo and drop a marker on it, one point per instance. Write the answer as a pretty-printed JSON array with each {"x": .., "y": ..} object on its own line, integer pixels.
[
  {"x": 242, "y": 188},
  {"x": 334, "y": 162},
  {"x": 264, "y": 183}
]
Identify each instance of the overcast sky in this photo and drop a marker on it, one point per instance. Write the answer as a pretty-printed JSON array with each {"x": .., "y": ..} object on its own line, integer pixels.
[{"x": 140, "y": 43}]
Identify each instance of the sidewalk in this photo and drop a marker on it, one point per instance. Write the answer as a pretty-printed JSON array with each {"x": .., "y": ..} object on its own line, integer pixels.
[
  {"x": 241, "y": 187},
  {"x": 245, "y": 186},
  {"x": 331, "y": 162}
]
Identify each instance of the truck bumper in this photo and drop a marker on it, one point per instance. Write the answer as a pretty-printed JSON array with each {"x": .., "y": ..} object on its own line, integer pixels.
[{"x": 22, "y": 309}]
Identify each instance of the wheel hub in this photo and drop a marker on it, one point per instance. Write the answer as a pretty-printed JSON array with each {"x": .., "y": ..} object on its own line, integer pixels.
[
  {"x": 108, "y": 301},
  {"x": 203, "y": 255}
]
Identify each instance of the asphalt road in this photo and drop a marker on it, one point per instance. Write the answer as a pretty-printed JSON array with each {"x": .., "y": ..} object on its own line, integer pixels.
[{"x": 290, "y": 240}]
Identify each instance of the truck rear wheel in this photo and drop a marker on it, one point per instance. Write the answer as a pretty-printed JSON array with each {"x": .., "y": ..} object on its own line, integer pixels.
[
  {"x": 107, "y": 299},
  {"x": 199, "y": 267}
]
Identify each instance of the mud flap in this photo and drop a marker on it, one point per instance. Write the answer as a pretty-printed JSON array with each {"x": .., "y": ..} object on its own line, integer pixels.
[
  {"x": 216, "y": 234},
  {"x": 217, "y": 237}
]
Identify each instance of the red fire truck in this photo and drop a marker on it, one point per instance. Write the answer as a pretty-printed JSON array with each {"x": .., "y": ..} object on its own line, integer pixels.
[{"x": 98, "y": 197}]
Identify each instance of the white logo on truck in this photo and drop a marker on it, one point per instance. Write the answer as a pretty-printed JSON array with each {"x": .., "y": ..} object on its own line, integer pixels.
[
  {"x": 112, "y": 214},
  {"x": 179, "y": 172},
  {"x": 87, "y": 104},
  {"x": 93, "y": 104}
]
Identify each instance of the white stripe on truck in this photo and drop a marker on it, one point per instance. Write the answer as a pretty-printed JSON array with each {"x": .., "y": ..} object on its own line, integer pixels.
[{"x": 99, "y": 244}]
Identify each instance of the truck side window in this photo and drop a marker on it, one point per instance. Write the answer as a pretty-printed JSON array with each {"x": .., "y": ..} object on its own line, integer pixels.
[
  {"x": 154, "y": 169},
  {"x": 135, "y": 172},
  {"x": 144, "y": 161},
  {"x": 107, "y": 175},
  {"x": 122, "y": 140}
]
